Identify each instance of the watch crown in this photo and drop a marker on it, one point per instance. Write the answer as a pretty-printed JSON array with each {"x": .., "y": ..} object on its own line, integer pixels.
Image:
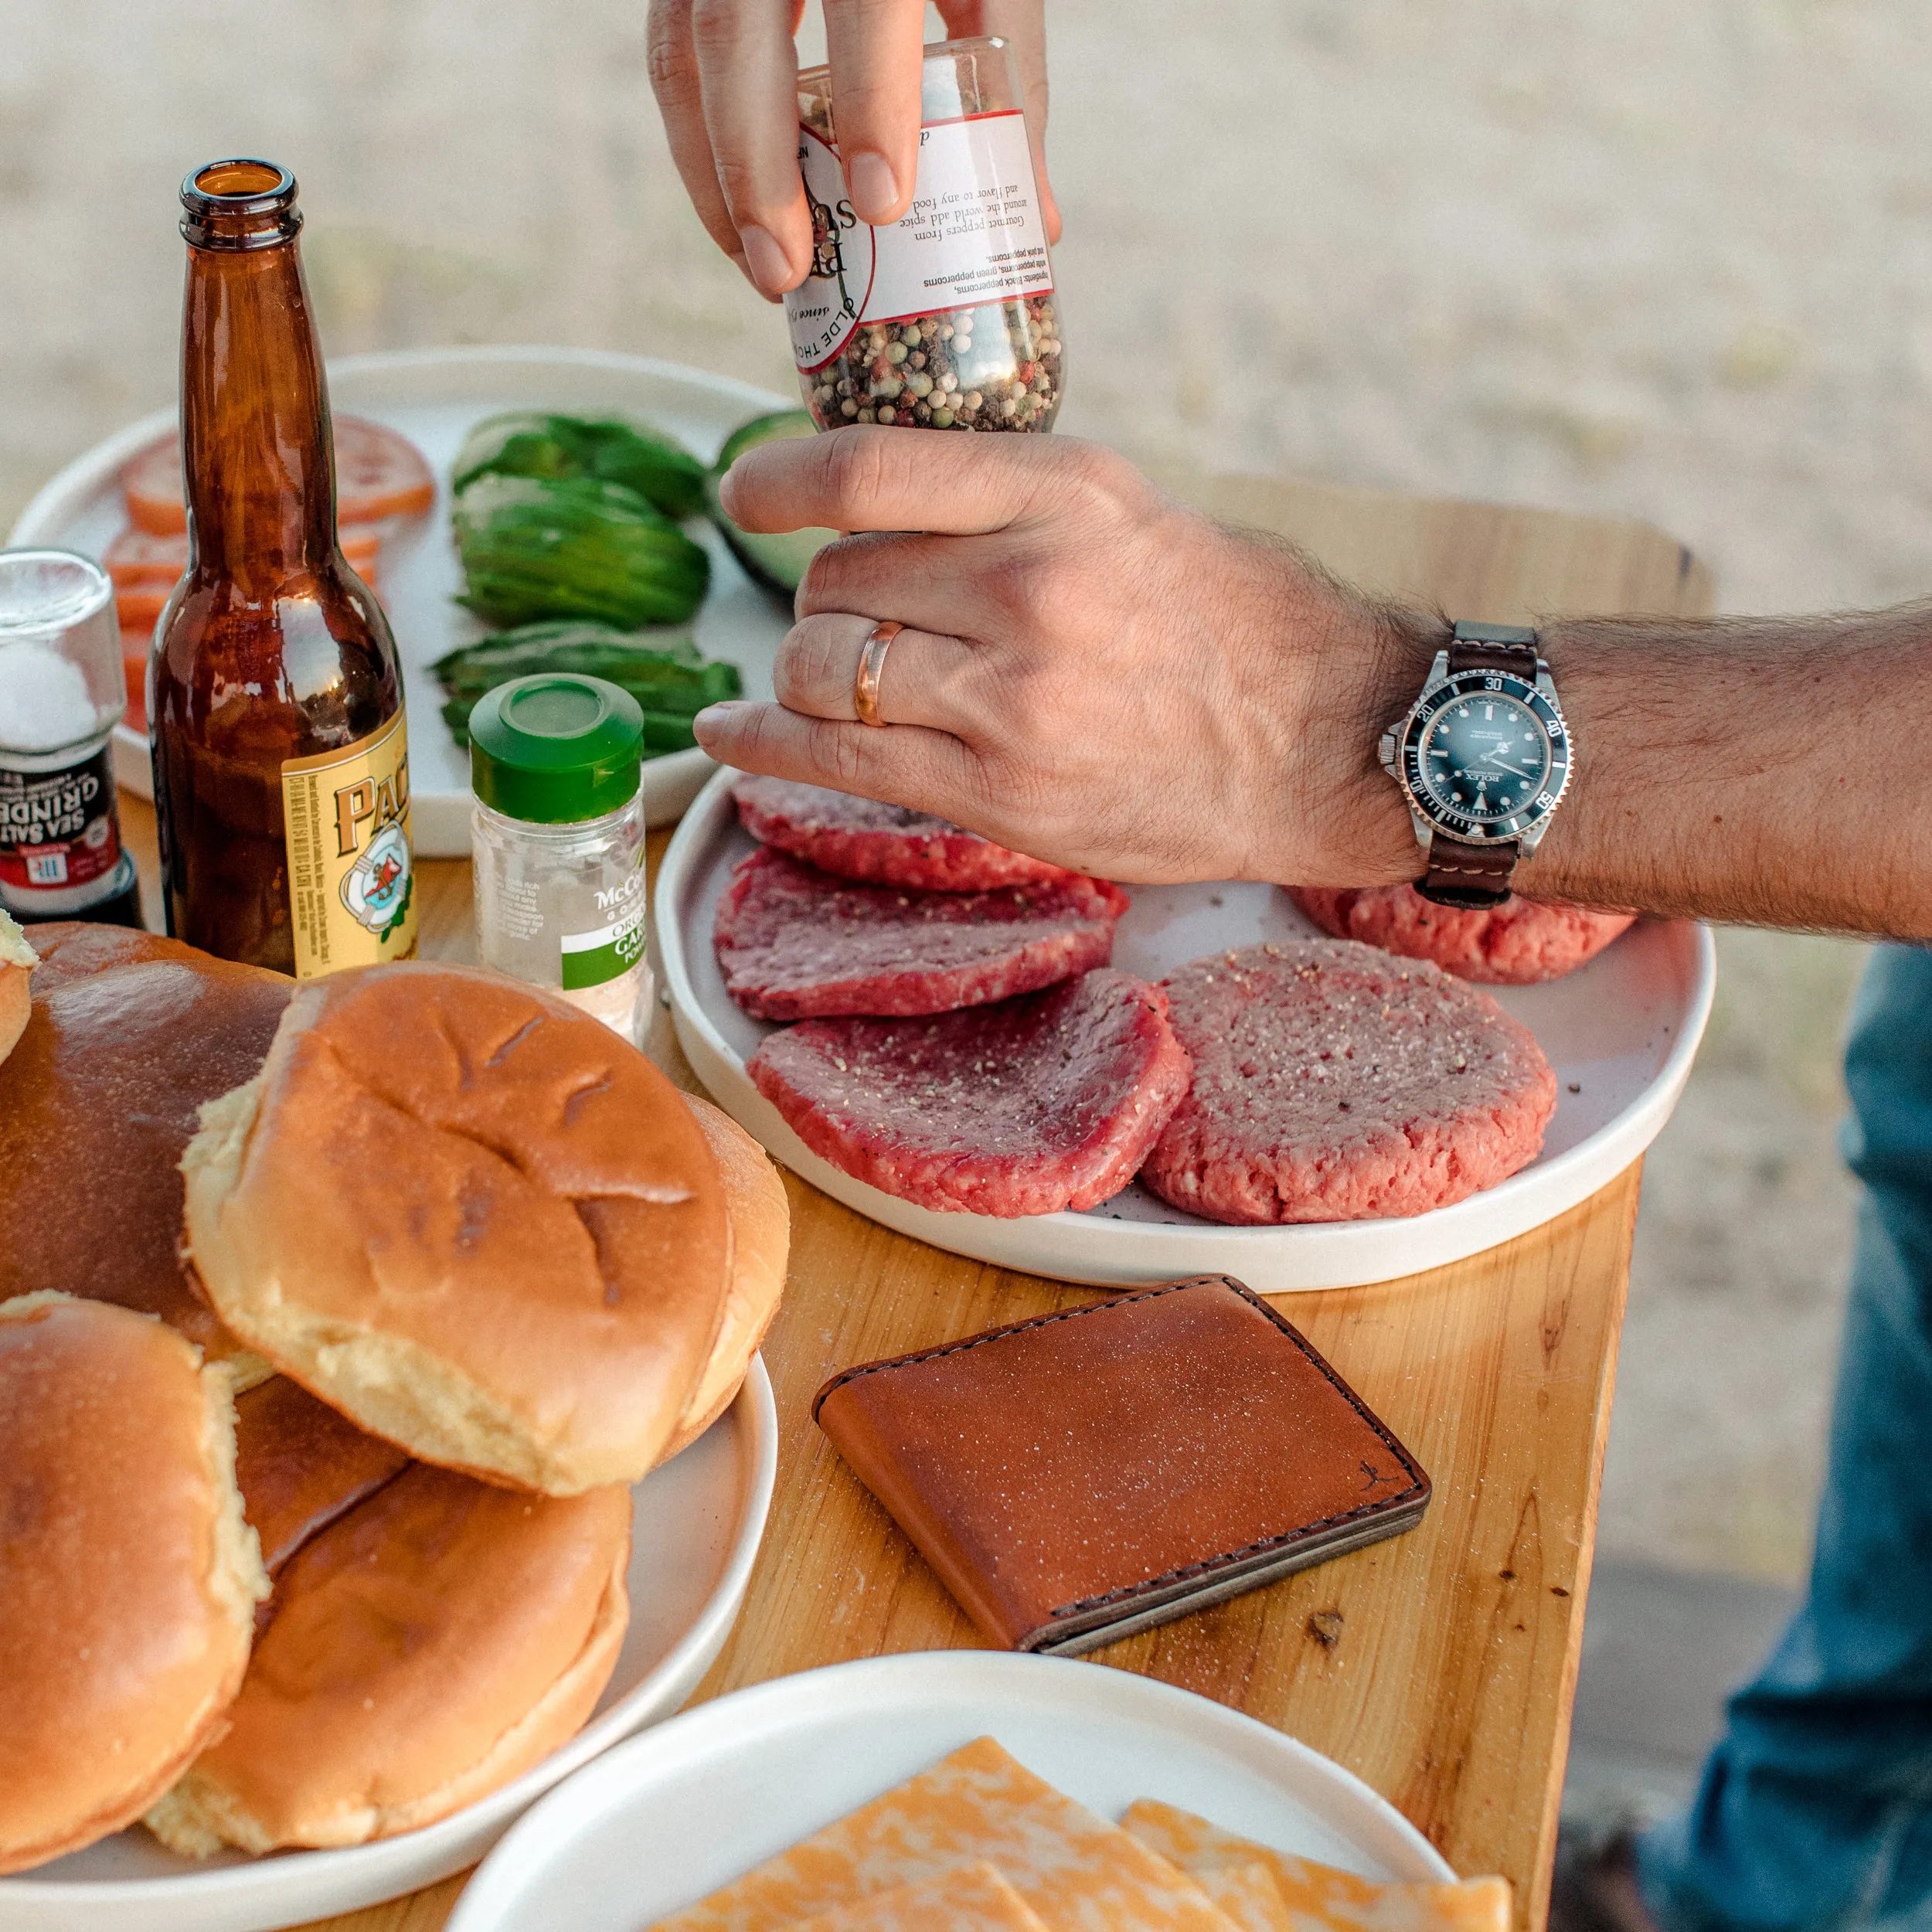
[{"x": 1387, "y": 751}]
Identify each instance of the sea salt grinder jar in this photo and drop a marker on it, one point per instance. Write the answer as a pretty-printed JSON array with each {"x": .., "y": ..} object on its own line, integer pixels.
[
  {"x": 945, "y": 319},
  {"x": 63, "y": 687},
  {"x": 557, "y": 840}
]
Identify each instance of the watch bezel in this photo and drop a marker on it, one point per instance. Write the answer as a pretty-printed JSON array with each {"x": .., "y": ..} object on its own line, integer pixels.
[{"x": 1458, "y": 825}]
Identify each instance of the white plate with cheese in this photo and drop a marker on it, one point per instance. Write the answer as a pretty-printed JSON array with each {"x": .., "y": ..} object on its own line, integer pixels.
[
  {"x": 434, "y": 397},
  {"x": 695, "y": 1527},
  {"x": 669, "y": 1817},
  {"x": 1620, "y": 1033}
]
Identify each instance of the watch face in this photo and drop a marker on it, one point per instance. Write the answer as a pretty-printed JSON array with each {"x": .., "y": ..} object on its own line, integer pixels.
[{"x": 1485, "y": 756}]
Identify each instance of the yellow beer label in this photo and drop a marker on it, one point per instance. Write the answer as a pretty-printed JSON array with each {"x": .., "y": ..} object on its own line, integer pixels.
[{"x": 352, "y": 888}]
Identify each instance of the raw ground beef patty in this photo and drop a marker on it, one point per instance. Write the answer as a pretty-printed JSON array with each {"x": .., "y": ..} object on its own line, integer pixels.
[
  {"x": 1038, "y": 1103},
  {"x": 887, "y": 844},
  {"x": 794, "y": 943},
  {"x": 1333, "y": 1083},
  {"x": 1518, "y": 943}
]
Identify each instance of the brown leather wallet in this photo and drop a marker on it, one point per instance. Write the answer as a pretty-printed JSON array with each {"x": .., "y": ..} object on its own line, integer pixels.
[{"x": 1087, "y": 1475}]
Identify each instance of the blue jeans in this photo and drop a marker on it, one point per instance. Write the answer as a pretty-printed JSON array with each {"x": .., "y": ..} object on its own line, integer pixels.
[{"x": 1815, "y": 1810}]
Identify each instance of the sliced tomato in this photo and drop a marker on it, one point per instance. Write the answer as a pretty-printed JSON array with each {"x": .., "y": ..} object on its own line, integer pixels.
[
  {"x": 134, "y": 665},
  {"x": 378, "y": 474},
  {"x": 151, "y": 483},
  {"x": 138, "y": 608},
  {"x": 137, "y": 559}
]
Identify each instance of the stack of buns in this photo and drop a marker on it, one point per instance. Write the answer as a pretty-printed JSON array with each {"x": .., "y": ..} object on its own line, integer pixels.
[{"x": 395, "y": 1282}]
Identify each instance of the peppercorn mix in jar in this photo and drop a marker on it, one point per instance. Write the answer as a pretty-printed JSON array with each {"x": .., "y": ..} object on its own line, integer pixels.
[{"x": 946, "y": 318}]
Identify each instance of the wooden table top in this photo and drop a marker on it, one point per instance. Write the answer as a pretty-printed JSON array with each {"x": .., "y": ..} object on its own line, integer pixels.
[{"x": 1439, "y": 1666}]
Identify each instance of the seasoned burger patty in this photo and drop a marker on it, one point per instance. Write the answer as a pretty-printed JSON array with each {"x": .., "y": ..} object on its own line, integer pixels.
[
  {"x": 1038, "y": 1103},
  {"x": 795, "y": 943},
  {"x": 1333, "y": 1083},
  {"x": 885, "y": 845},
  {"x": 1518, "y": 943}
]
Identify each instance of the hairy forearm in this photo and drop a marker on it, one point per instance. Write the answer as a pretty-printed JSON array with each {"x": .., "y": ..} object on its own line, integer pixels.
[{"x": 1762, "y": 771}]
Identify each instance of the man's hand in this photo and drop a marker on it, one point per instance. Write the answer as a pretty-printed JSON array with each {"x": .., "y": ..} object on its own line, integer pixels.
[
  {"x": 1098, "y": 677},
  {"x": 1088, "y": 672},
  {"x": 725, "y": 74}
]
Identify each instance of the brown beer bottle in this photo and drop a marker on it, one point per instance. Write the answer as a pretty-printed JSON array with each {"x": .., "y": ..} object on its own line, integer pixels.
[{"x": 275, "y": 702}]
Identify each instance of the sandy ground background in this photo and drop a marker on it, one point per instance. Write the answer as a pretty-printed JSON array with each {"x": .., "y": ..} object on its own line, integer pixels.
[{"x": 1667, "y": 260}]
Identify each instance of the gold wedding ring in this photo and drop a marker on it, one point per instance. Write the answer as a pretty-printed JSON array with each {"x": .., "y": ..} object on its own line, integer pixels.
[{"x": 872, "y": 662}]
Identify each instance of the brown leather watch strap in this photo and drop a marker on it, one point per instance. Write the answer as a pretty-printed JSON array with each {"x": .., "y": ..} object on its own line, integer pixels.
[
  {"x": 1472, "y": 878},
  {"x": 1481, "y": 654}
]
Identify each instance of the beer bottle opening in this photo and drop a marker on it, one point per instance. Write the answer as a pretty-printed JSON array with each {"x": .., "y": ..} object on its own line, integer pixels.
[{"x": 238, "y": 204}]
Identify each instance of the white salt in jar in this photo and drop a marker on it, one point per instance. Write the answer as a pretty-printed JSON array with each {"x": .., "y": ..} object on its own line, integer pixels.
[
  {"x": 62, "y": 688},
  {"x": 557, "y": 842}
]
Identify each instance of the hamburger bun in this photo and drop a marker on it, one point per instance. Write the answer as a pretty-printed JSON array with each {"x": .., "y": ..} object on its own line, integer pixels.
[
  {"x": 472, "y": 1219},
  {"x": 301, "y": 1465},
  {"x": 17, "y": 961},
  {"x": 131, "y": 1579},
  {"x": 760, "y": 1244},
  {"x": 424, "y": 1649},
  {"x": 129, "y": 1034}
]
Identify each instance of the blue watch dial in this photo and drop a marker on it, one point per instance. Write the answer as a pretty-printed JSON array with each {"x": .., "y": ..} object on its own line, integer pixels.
[{"x": 1484, "y": 757}]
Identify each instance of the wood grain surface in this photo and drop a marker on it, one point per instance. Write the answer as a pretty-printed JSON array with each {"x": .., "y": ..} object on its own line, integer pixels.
[{"x": 1440, "y": 1667}]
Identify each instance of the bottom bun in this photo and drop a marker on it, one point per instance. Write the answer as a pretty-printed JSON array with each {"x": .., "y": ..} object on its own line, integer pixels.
[
  {"x": 422, "y": 1650},
  {"x": 17, "y": 961},
  {"x": 760, "y": 1246}
]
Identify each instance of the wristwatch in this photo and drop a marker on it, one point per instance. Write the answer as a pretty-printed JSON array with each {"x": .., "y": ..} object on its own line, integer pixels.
[{"x": 1483, "y": 759}]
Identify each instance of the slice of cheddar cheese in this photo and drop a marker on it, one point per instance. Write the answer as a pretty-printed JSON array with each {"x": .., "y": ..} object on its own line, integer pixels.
[
  {"x": 969, "y": 1898},
  {"x": 1318, "y": 1898},
  {"x": 1076, "y": 1872},
  {"x": 1246, "y": 1894}
]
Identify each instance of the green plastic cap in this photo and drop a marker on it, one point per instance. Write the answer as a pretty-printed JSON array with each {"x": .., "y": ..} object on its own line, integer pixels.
[{"x": 556, "y": 748}]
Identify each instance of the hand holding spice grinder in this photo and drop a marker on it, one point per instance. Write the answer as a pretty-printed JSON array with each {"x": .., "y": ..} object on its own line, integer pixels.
[{"x": 945, "y": 319}]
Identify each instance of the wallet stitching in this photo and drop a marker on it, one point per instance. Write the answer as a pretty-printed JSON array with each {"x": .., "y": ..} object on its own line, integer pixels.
[
  {"x": 1226, "y": 1556},
  {"x": 1419, "y": 1487}
]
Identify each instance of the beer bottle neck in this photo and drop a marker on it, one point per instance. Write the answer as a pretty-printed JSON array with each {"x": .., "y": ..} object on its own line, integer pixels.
[{"x": 257, "y": 450}]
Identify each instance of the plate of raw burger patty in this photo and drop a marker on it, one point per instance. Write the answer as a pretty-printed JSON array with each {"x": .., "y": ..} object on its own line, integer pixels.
[{"x": 1128, "y": 1084}]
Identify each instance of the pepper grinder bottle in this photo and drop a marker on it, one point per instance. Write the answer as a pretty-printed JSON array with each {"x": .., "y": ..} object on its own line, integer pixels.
[
  {"x": 274, "y": 699},
  {"x": 62, "y": 687},
  {"x": 946, "y": 318},
  {"x": 556, "y": 762}
]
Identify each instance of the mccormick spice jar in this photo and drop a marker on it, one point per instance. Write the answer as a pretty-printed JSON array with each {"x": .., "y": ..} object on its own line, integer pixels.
[
  {"x": 62, "y": 688},
  {"x": 556, "y": 762},
  {"x": 946, "y": 318}
]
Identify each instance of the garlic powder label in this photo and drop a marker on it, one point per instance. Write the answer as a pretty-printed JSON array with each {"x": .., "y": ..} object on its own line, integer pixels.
[{"x": 973, "y": 234}]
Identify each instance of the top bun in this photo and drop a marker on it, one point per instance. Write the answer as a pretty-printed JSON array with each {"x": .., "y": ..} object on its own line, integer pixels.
[
  {"x": 128, "y": 1035},
  {"x": 760, "y": 1244},
  {"x": 470, "y": 1217},
  {"x": 131, "y": 1578},
  {"x": 17, "y": 961}
]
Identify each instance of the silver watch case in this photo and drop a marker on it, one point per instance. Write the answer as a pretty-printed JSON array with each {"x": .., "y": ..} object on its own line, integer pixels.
[{"x": 1401, "y": 755}]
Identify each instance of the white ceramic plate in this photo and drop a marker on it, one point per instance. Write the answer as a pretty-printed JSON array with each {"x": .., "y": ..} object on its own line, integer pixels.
[
  {"x": 695, "y": 1530},
  {"x": 1620, "y": 1034},
  {"x": 672, "y": 1816},
  {"x": 432, "y": 396}
]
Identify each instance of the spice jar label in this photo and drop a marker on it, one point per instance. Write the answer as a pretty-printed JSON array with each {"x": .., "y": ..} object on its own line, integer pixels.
[
  {"x": 351, "y": 883},
  {"x": 609, "y": 951},
  {"x": 974, "y": 234},
  {"x": 57, "y": 827}
]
